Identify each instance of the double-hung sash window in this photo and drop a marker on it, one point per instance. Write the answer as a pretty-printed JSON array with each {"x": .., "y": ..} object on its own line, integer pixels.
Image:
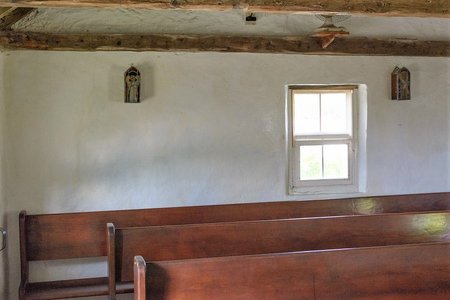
[{"x": 322, "y": 127}]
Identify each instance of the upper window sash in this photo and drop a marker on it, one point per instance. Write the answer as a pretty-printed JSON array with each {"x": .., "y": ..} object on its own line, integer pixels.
[{"x": 315, "y": 114}]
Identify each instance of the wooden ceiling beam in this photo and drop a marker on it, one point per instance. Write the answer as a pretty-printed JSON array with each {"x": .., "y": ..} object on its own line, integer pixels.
[
  {"x": 13, "y": 16},
  {"x": 418, "y": 8},
  {"x": 192, "y": 43},
  {"x": 5, "y": 11}
]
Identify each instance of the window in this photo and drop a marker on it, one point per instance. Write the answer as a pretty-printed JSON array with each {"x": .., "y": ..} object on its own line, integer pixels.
[{"x": 323, "y": 138}]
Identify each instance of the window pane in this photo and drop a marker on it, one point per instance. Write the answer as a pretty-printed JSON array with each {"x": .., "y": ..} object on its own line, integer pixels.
[
  {"x": 334, "y": 113},
  {"x": 335, "y": 160},
  {"x": 306, "y": 113},
  {"x": 310, "y": 162}
]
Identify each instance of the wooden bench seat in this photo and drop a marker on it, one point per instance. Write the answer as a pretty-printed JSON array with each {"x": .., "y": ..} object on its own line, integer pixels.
[
  {"x": 47, "y": 236},
  {"x": 61, "y": 289},
  {"x": 72, "y": 288},
  {"x": 175, "y": 242},
  {"x": 388, "y": 272}
]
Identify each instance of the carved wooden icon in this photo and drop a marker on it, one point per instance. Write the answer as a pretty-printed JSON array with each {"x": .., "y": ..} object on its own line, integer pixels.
[
  {"x": 401, "y": 84},
  {"x": 132, "y": 85}
]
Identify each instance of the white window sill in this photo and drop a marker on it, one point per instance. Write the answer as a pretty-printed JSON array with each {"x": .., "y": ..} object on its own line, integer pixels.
[{"x": 326, "y": 189}]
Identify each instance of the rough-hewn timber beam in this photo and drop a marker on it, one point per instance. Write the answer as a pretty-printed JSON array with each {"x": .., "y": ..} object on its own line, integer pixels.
[
  {"x": 428, "y": 8},
  {"x": 191, "y": 43},
  {"x": 5, "y": 11},
  {"x": 14, "y": 16}
]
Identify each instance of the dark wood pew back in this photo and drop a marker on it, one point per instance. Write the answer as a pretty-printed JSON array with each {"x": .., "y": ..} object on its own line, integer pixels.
[
  {"x": 48, "y": 237},
  {"x": 174, "y": 242},
  {"x": 82, "y": 234},
  {"x": 391, "y": 272}
]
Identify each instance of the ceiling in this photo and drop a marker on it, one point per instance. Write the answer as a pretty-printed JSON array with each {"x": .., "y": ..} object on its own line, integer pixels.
[
  {"x": 400, "y": 28},
  {"x": 232, "y": 22}
]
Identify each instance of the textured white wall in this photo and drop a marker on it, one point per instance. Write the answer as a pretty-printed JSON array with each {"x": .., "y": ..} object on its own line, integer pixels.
[
  {"x": 3, "y": 256},
  {"x": 210, "y": 130}
]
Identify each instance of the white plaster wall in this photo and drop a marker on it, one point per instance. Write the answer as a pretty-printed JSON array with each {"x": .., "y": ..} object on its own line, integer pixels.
[
  {"x": 3, "y": 260},
  {"x": 210, "y": 130}
]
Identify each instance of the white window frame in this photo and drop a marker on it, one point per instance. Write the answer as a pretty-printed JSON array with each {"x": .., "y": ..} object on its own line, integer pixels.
[{"x": 348, "y": 185}]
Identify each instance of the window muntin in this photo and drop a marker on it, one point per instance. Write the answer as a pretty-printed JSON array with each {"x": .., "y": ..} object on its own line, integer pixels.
[{"x": 322, "y": 136}]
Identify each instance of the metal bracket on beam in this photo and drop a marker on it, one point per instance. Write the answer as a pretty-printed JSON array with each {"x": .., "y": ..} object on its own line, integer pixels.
[{"x": 250, "y": 18}]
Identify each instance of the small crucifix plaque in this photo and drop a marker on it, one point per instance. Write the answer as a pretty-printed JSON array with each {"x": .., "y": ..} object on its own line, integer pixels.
[{"x": 401, "y": 84}]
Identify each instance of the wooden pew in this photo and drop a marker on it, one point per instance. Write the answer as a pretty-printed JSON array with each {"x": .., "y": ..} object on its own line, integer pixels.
[
  {"x": 47, "y": 236},
  {"x": 418, "y": 271},
  {"x": 175, "y": 242}
]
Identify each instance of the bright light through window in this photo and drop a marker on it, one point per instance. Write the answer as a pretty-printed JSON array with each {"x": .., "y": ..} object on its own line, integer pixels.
[
  {"x": 335, "y": 161},
  {"x": 334, "y": 113},
  {"x": 321, "y": 113},
  {"x": 306, "y": 113},
  {"x": 311, "y": 162},
  {"x": 321, "y": 136},
  {"x": 324, "y": 162}
]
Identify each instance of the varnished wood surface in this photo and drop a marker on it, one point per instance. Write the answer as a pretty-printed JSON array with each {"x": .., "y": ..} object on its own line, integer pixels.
[
  {"x": 72, "y": 288},
  {"x": 111, "y": 237},
  {"x": 139, "y": 268},
  {"x": 216, "y": 43},
  {"x": 77, "y": 235},
  {"x": 173, "y": 242},
  {"x": 24, "y": 266},
  {"x": 49, "y": 236},
  {"x": 388, "y": 273},
  {"x": 435, "y": 8}
]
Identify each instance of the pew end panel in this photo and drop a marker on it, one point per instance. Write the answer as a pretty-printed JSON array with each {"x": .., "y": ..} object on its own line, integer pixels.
[
  {"x": 111, "y": 240},
  {"x": 24, "y": 265},
  {"x": 139, "y": 278}
]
